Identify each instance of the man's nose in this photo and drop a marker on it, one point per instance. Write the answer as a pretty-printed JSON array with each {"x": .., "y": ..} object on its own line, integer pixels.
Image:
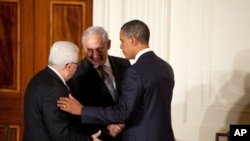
[{"x": 95, "y": 53}]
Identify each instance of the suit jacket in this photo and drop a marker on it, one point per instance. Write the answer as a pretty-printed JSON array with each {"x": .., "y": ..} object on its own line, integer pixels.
[
  {"x": 90, "y": 90},
  {"x": 44, "y": 121},
  {"x": 145, "y": 102}
]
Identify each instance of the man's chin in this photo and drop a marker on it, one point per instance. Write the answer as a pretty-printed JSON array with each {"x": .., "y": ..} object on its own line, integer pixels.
[
  {"x": 96, "y": 64},
  {"x": 126, "y": 56}
]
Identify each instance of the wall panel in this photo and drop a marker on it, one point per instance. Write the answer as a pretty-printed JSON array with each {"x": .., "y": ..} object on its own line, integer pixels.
[
  {"x": 9, "y": 49},
  {"x": 67, "y": 21},
  {"x": 25, "y": 41}
]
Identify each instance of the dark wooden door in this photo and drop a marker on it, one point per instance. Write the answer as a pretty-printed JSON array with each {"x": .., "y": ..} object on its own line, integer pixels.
[{"x": 27, "y": 30}]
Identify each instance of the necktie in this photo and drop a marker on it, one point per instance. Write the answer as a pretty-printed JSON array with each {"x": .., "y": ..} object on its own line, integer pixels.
[
  {"x": 102, "y": 73},
  {"x": 108, "y": 81}
]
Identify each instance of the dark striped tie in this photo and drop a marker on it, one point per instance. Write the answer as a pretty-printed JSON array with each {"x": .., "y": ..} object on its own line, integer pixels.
[{"x": 108, "y": 81}]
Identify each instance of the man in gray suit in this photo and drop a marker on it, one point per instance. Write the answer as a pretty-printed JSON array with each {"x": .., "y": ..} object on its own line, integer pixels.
[
  {"x": 43, "y": 120},
  {"x": 147, "y": 89}
]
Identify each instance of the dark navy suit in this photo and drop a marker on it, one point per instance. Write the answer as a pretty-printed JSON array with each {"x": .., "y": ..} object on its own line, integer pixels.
[
  {"x": 145, "y": 102},
  {"x": 90, "y": 90}
]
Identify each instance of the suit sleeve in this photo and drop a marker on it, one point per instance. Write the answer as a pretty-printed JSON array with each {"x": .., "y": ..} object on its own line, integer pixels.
[
  {"x": 57, "y": 121},
  {"x": 132, "y": 93}
]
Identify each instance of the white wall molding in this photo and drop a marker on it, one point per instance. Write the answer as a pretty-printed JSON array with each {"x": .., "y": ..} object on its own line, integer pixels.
[{"x": 207, "y": 16}]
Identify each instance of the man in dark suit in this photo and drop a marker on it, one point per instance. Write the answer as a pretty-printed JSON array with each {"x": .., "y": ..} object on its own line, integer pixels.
[
  {"x": 87, "y": 85},
  {"x": 44, "y": 121},
  {"x": 145, "y": 103}
]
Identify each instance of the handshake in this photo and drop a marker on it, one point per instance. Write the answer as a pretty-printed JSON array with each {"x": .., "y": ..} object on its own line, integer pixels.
[{"x": 73, "y": 106}]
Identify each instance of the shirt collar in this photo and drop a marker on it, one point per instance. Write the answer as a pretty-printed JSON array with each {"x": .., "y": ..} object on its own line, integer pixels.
[
  {"x": 140, "y": 53},
  {"x": 107, "y": 63}
]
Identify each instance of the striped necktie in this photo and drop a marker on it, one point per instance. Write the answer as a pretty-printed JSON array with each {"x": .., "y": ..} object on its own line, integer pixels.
[{"x": 108, "y": 81}]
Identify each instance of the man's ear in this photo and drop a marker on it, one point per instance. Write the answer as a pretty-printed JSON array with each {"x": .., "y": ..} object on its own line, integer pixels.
[
  {"x": 68, "y": 66},
  {"x": 134, "y": 41},
  {"x": 109, "y": 44}
]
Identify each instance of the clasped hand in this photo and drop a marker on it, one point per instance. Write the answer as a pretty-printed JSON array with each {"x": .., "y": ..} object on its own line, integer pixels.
[{"x": 71, "y": 105}]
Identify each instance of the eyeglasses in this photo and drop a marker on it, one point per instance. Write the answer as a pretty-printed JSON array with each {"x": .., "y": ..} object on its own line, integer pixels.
[
  {"x": 98, "y": 50},
  {"x": 74, "y": 63}
]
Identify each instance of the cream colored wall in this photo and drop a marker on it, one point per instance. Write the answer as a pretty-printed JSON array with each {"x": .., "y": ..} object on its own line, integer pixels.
[
  {"x": 113, "y": 13},
  {"x": 208, "y": 44}
]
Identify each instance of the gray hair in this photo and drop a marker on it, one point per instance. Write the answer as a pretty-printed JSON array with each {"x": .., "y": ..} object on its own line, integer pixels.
[
  {"x": 63, "y": 52},
  {"x": 96, "y": 30},
  {"x": 137, "y": 29}
]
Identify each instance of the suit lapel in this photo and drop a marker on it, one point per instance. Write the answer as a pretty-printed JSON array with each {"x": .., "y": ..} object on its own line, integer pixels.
[
  {"x": 56, "y": 78},
  {"x": 117, "y": 69},
  {"x": 94, "y": 76}
]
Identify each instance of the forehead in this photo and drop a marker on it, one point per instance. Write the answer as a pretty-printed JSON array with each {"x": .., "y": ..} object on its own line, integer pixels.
[
  {"x": 122, "y": 35},
  {"x": 93, "y": 40}
]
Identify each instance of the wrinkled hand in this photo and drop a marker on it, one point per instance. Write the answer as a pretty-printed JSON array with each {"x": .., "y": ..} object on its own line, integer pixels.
[
  {"x": 96, "y": 135},
  {"x": 70, "y": 104},
  {"x": 115, "y": 129}
]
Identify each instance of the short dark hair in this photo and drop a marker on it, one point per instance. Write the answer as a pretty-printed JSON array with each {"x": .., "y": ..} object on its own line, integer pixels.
[{"x": 137, "y": 29}]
